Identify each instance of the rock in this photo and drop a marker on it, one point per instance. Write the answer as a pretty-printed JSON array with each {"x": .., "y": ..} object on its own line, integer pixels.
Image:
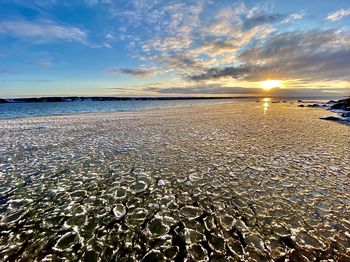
[
  {"x": 345, "y": 114},
  {"x": 313, "y": 105},
  {"x": 343, "y": 104},
  {"x": 301, "y": 106},
  {"x": 332, "y": 118}
]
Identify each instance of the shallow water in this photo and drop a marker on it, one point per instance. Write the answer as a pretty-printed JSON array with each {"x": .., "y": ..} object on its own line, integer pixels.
[
  {"x": 249, "y": 181},
  {"x": 15, "y": 110}
]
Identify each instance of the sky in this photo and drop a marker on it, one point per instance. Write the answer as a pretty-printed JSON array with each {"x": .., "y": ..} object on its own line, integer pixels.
[{"x": 174, "y": 48}]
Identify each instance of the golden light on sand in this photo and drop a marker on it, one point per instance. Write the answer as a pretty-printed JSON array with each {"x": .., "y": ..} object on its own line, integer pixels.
[{"x": 269, "y": 84}]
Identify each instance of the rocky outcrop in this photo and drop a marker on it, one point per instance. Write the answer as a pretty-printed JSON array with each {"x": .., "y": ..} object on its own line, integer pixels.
[{"x": 343, "y": 104}]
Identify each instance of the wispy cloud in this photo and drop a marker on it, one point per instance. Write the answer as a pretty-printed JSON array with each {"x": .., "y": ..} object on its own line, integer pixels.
[
  {"x": 45, "y": 62},
  {"x": 293, "y": 18},
  {"x": 186, "y": 42},
  {"x": 337, "y": 15},
  {"x": 42, "y": 31},
  {"x": 261, "y": 19},
  {"x": 132, "y": 72}
]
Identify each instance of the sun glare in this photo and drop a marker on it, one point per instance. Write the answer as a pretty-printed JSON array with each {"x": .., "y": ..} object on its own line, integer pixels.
[{"x": 269, "y": 84}]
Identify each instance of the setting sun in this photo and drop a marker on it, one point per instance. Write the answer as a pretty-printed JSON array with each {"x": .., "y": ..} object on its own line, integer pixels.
[{"x": 269, "y": 84}]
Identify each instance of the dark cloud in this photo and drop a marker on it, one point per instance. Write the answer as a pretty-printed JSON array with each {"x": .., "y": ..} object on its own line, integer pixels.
[
  {"x": 292, "y": 44},
  {"x": 223, "y": 90},
  {"x": 261, "y": 19},
  {"x": 214, "y": 73},
  {"x": 177, "y": 62},
  {"x": 132, "y": 72},
  {"x": 308, "y": 56},
  {"x": 205, "y": 89},
  {"x": 310, "y": 92},
  {"x": 314, "y": 55}
]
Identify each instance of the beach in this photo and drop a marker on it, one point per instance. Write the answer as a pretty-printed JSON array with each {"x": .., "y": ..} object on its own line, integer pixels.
[{"x": 228, "y": 182}]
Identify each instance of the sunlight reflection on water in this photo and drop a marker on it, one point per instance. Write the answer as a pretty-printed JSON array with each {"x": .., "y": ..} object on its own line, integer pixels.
[{"x": 266, "y": 104}]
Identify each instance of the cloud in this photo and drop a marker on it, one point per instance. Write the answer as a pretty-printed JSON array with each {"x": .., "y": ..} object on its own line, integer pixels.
[
  {"x": 45, "y": 62},
  {"x": 217, "y": 89},
  {"x": 92, "y": 3},
  {"x": 337, "y": 15},
  {"x": 204, "y": 89},
  {"x": 185, "y": 42},
  {"x": 42, "y": 31},
  {"x": 232, "y": 43},
  {"x": 132, "y": 72},
  {"x": 313, "y": 55},
  {"x": 293, "y": 18},
  {"x": 216, "y": 73},
  {"x": 261, "y": 20}
]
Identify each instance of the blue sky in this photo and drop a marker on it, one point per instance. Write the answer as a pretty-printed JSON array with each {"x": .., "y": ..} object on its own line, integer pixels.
[{"x": 166, "y": 48}]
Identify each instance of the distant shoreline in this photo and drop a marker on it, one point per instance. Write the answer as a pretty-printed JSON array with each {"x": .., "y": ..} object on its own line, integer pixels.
[
  {"x": 105, "y": 98},
  {"x": 111, "y": 98}
]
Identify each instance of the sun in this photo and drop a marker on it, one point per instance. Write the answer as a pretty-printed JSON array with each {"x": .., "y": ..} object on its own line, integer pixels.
[{"x": 269, "y": 84}]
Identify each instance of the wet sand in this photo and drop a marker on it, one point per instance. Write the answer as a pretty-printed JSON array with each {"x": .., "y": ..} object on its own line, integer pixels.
[{"x": 230, "y": 182}]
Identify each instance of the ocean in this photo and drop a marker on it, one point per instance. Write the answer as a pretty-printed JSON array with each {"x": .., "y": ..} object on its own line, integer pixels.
[{"x": 16, "y": 110}]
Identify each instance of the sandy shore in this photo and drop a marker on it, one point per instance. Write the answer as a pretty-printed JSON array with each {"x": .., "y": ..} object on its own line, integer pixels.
[{"x": 230, "y": 182}]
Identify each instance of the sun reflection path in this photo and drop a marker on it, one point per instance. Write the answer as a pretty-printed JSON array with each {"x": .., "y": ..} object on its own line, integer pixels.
[{"x": 266, "y": 104}]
